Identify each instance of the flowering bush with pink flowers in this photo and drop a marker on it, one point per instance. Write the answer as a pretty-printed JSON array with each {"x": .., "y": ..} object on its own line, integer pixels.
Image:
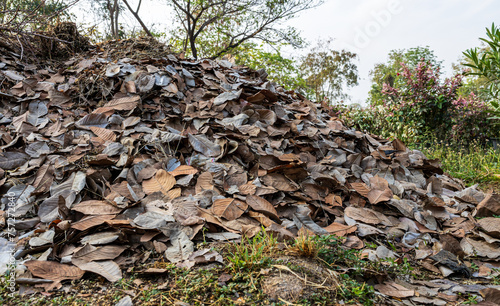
[
  {"x": 425, "y": 108},
  {"x": 470, "y": 119}
]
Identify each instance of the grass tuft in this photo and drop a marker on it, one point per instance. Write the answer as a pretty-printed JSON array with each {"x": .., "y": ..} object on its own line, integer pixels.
[
  {"x": 305, "y": 245},
  {"x": 252, "y": 254}
]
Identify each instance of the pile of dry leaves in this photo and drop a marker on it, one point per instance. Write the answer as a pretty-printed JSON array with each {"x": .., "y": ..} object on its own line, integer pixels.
[{"x": 105, "y": 156}]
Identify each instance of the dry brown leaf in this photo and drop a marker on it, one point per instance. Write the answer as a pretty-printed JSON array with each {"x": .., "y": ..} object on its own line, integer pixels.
[
  {"x": 491, "y": 295},
  {"x": 247, "y": 189},
  {"x": 340, "y": 230},
  {"x": 361, "y": 188},
  {"x": 395, "y": 290},
  {"x": 162, "y": 181},
  {"x": 380, "y": 191},
  {"x": 108, "y": 268},
  {"x": 367, "y": 215},
  {"x": 205, "y": 146},
  {"x": 91, "y": 221},
  {"x": 262, "y": 205},
  {"x": 489, "y": 206},
  {"x": 126, "y": 103},
  {"x": 279, "y": 182},
  {"x": 53, "y": 270},
  {"x": 183, "y": 170},
  {"x": 204, "y": 182},
  {"x": 104, "y": 134},
  {"x": 44, "y": 178},
  {"x": 490, "y": 225},
  {"x": 96, "y": 207},
  {"x": 230, "y": 209},
  {"x": 261, "y": 218},
  {"x": 480, "y": 248},
  {"x": 12, "y": 160},
  {"x": 91, "y": 253},
  {"x": 174, "y": 193}
]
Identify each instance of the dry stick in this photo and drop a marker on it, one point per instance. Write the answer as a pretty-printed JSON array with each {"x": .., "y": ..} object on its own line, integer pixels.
[
  {"x": 22, "y": 48},
  {"x": 24, "y": 33}
]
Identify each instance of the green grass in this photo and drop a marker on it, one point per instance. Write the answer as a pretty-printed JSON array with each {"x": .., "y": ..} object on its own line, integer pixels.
[
  {"x": 252, "y": 254},
  {"x": 475, "y": 165}
]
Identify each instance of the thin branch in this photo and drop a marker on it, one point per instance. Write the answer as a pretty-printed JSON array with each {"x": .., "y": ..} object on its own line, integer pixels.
[{"x": 138, "y": 18}]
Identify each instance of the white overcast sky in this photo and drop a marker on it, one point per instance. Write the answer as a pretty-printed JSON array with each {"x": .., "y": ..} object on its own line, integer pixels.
[
  {"x": 447, "y": 26},
  {"x": 372, "y": 28}
]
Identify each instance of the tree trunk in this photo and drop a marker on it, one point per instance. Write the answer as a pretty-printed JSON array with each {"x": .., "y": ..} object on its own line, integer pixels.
[{"x": 193, "y": 47}]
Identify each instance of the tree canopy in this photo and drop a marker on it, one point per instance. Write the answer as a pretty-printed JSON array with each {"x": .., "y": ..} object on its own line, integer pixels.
[
  {"x": 388, "y": 73},
  {"x": 328, "y": 72},
  {"x": 211, "y": 28}
]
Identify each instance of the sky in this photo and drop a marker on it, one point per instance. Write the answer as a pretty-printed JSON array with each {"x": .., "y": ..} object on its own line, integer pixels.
[{"x": 372, "y": 28}]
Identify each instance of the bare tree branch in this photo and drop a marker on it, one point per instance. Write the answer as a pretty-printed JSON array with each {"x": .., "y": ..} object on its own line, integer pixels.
[
  {"x": 237, "y": 20},
  {"x": 136, "y": 15}
]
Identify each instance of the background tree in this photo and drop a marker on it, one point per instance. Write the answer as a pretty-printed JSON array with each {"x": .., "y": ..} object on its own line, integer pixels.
[
  {"x": 328, "y": 72},
  {"x": 280, "y": 69},
  {"x": 111, "y": 13},
  {"x": 212, "y": 28},
  {"x": 388, "y": 73}
]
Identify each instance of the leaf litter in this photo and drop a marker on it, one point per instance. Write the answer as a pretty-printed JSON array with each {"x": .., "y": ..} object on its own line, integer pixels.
[{"x": 114, "y": 153}]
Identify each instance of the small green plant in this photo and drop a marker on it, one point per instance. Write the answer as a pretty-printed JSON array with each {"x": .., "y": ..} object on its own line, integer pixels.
[
  {"x": 495, "y": 279},
  {"x": 304, "y": 245},
  {"x": 253, "y": 253},
  {"x": 354, "y": 291},
  {"x": 471, "y": 300}
]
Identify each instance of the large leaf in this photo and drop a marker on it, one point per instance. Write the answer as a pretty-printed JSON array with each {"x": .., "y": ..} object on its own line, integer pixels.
[
  {"x": 96, "y": 207},
  {"x": 302, "y": 219},
  {"x": 395, "y": 290},
  {"x": 229, "y": 209},
  {"x": 263, "y": 206},
  {"x": 182, "y": 247},
  {"x": 104, "y": 134},
  {"x": 92, "y": 120},
  {"x": 367, "y": 215},
  {"x": 108, "y": 268},
  {"x": 380, "y": 191},
  {"x": 127, "y": 103},
  {"x": 162, "y": 181},
  {"x": 91, "y": 253},
  {"x": 12, "y": 160},
  {"x": 53, "y": 270},
  {"x": 279, "y": 182},
  {"x": 44, "y": 178},
  {"x": 202, "y": 144}
]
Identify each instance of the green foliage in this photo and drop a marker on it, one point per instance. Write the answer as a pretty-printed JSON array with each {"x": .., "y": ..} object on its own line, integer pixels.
[
  {"x": 471, "y": 84},
  {"x": 385, "y": 121},
  {"x": 328, "y": 72},
  {"x": 423, "y": 108},
  {"x": 351, "y": 290},
  {"x": 486, "y": 63},
  {"x": 252, "y": 254},
  {"x": 477, "y": 164},
  {"x": 388, "y": 73},
  {"x": 205, "y": 28},
  {"x": 280, "y": 69}
]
